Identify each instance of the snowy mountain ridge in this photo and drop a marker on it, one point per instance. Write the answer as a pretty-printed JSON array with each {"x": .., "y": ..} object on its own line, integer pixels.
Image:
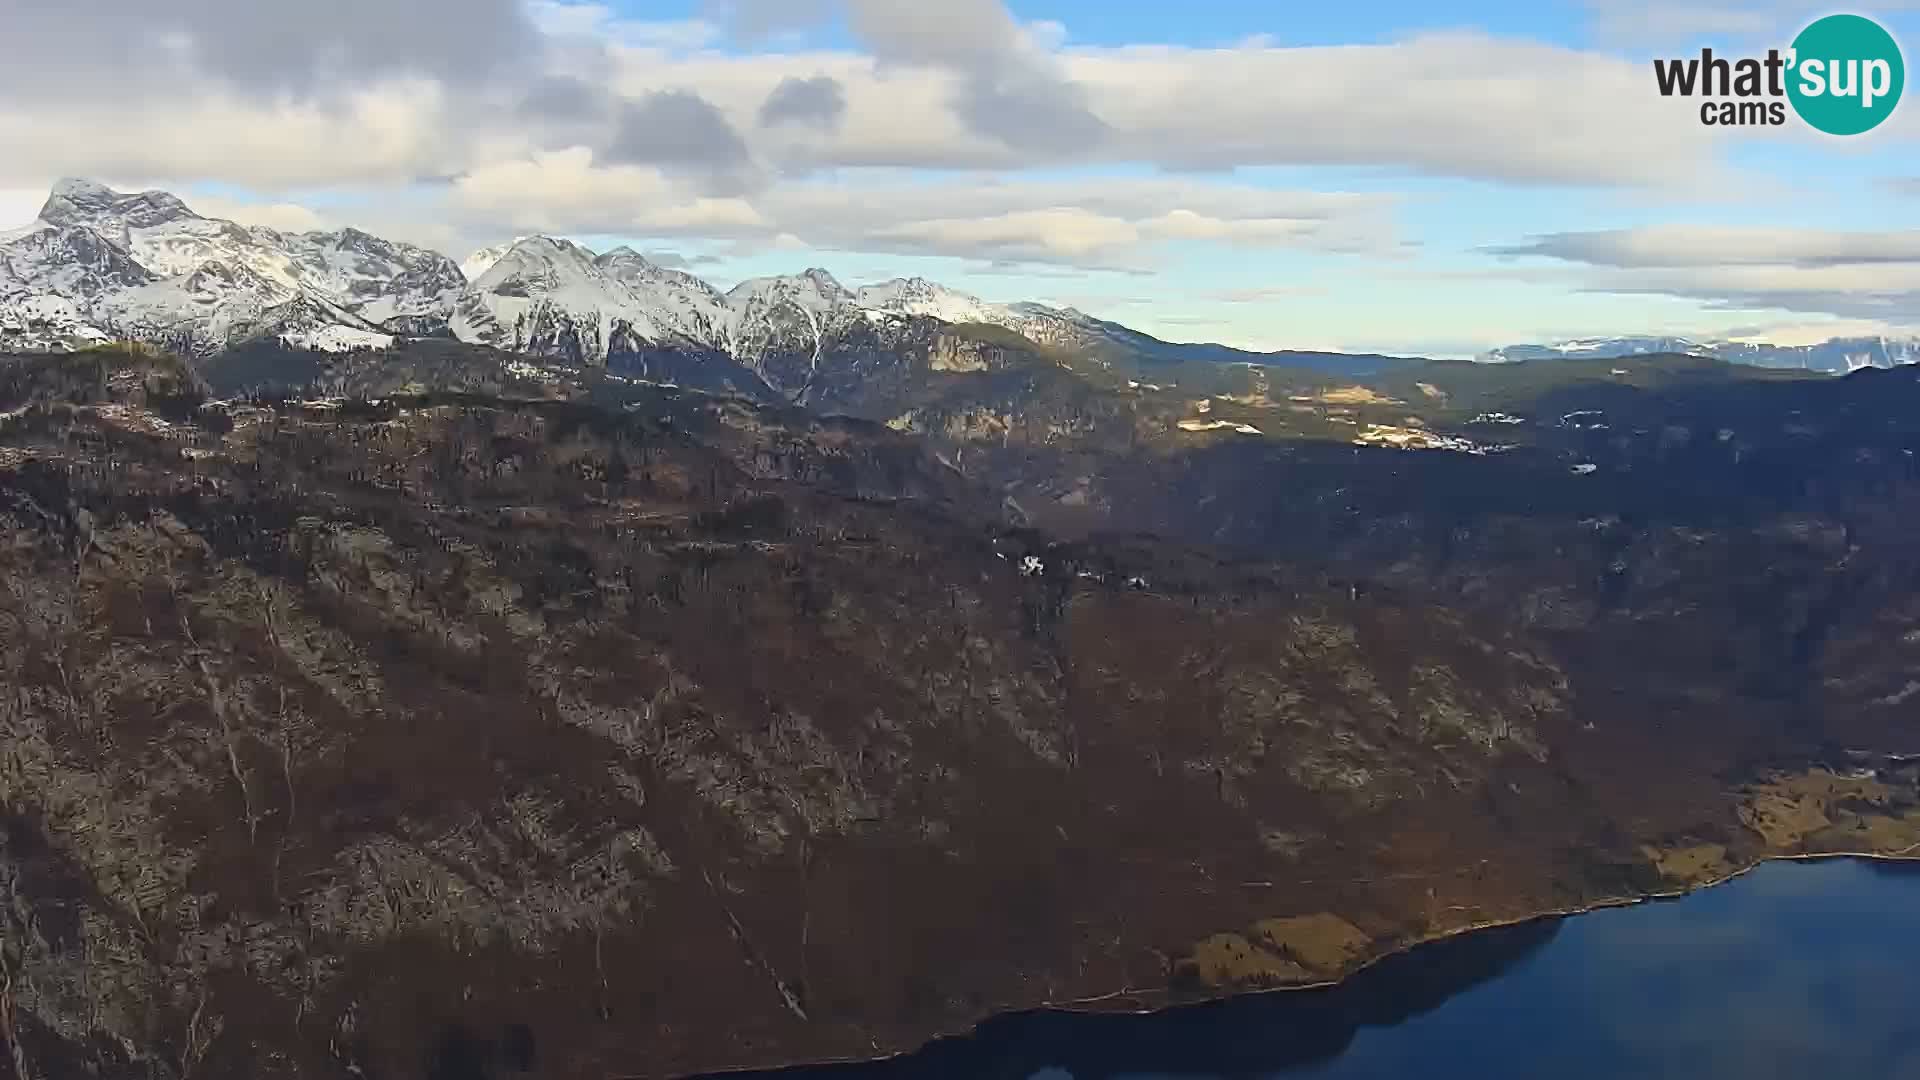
[
  {"x": 100, "y": 265},
  {"x": 1836, "y": 355}
]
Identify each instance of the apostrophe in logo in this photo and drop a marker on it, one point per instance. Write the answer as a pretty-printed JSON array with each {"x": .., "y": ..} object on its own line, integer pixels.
[
  {"x": 1847, "y": 74},
  {"x": 1842, "y": 75}
]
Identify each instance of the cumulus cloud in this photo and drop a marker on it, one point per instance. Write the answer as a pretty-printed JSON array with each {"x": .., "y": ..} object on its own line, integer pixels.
[
  {"x": 103, "y": 47},
  {"x": 391, "y": 133},
  {"x": 1845, "y": 274},
  {"x": 961, "y": 33},
  {"x": 1032, "y": 114},
  {"x": 567, "y": 191},
  {"x": 961, "y": 86},
  {"x": 1012, "y": 88},
  {"x": 563, "y": 98},
  {"x": 818, "y": 101},
  {"x": 679, "y": 131},
  {"x": 1006, "y": 82},
  {"x": 1457, "y": 104}
]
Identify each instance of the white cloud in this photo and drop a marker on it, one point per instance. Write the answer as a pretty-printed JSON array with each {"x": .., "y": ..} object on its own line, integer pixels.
[
  {"x": 565, "y": 191},
  {"x": 1107, "y": 223},
  {"x": 946, "y": 129},
  {"x": 1059, "y": 234},
  {"x": 1448, "y": 104},
  {"x": 1187, "y": 225},
  {"x": 108, "y": 51},
  {"x": 19, "y": 205},
  {"x": 1707, "y": 245},
  {"x": 819, "y": 101},
  {"x": 389, "y": 133},
  {"x": 1865, "y": 275},
  {"x": 1115, "y": 224},
  {"x": 965, "y": 87},
  {"x": 1465, "y": 105},
  {"x": 284, "y": 216}
]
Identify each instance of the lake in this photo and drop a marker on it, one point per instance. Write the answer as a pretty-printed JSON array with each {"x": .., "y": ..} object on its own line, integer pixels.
[{"x": 1798, "y": 969}]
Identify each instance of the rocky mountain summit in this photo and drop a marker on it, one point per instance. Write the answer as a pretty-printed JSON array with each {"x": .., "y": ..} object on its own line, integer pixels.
[{"x": 99, "y": 265}]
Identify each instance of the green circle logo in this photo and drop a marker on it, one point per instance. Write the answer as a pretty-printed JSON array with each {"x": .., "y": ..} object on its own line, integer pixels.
[{"x": 1846, "y": 74}]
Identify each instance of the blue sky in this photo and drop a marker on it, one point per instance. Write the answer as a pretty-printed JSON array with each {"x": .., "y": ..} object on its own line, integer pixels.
[
  {"x": 1442, "y": 299},
  {"x": 1391, "y": 176}
]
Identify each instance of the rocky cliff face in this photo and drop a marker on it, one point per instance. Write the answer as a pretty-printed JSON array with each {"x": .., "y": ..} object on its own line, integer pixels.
[{"x": 653, "y": 732}]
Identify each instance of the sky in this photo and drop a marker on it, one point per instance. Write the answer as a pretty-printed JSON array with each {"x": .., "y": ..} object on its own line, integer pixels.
[{"x": 1390, "y": 176}]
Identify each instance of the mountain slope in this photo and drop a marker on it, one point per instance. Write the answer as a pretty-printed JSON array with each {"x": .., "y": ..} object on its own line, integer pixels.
[{"x": 450, "y": 735}]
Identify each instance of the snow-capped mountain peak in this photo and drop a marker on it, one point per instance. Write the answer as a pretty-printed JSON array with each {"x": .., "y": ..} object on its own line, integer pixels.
[
  {"x": 549, "y": 295},
  {"x": 542, "y": 263},
  {"x": 102, "y": 264},
  {"x": 633, "y": 268},
  {"x": 790, "y": 314},
  {"x": 482, "y": 261},
  {"x": 814, "y": 289},
  {"x": 1838, "y": 355},
  {"x": 111, "y": 212},
  {"x": 918, "y": 296},
  {"x": 626, "y": 256},
  {"x": 682, "y": 304},
  {"x": 826, "y": 283},
  {"x": 72, "y": 199}
]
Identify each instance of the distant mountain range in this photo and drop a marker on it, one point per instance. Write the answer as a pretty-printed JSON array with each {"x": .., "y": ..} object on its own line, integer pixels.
[
  {"x": 101, "y": 265},
  {"x": 1837, "y": 355}
]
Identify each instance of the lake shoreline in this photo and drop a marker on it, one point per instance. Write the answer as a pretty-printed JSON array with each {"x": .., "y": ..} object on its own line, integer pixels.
[
  {"x": 1911, "y": 855},
  {"x": 1080, "y": 1005}
]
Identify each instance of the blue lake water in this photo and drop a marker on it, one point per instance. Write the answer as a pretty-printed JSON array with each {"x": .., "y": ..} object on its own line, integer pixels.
[{"x": 1797, "y": 970}]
